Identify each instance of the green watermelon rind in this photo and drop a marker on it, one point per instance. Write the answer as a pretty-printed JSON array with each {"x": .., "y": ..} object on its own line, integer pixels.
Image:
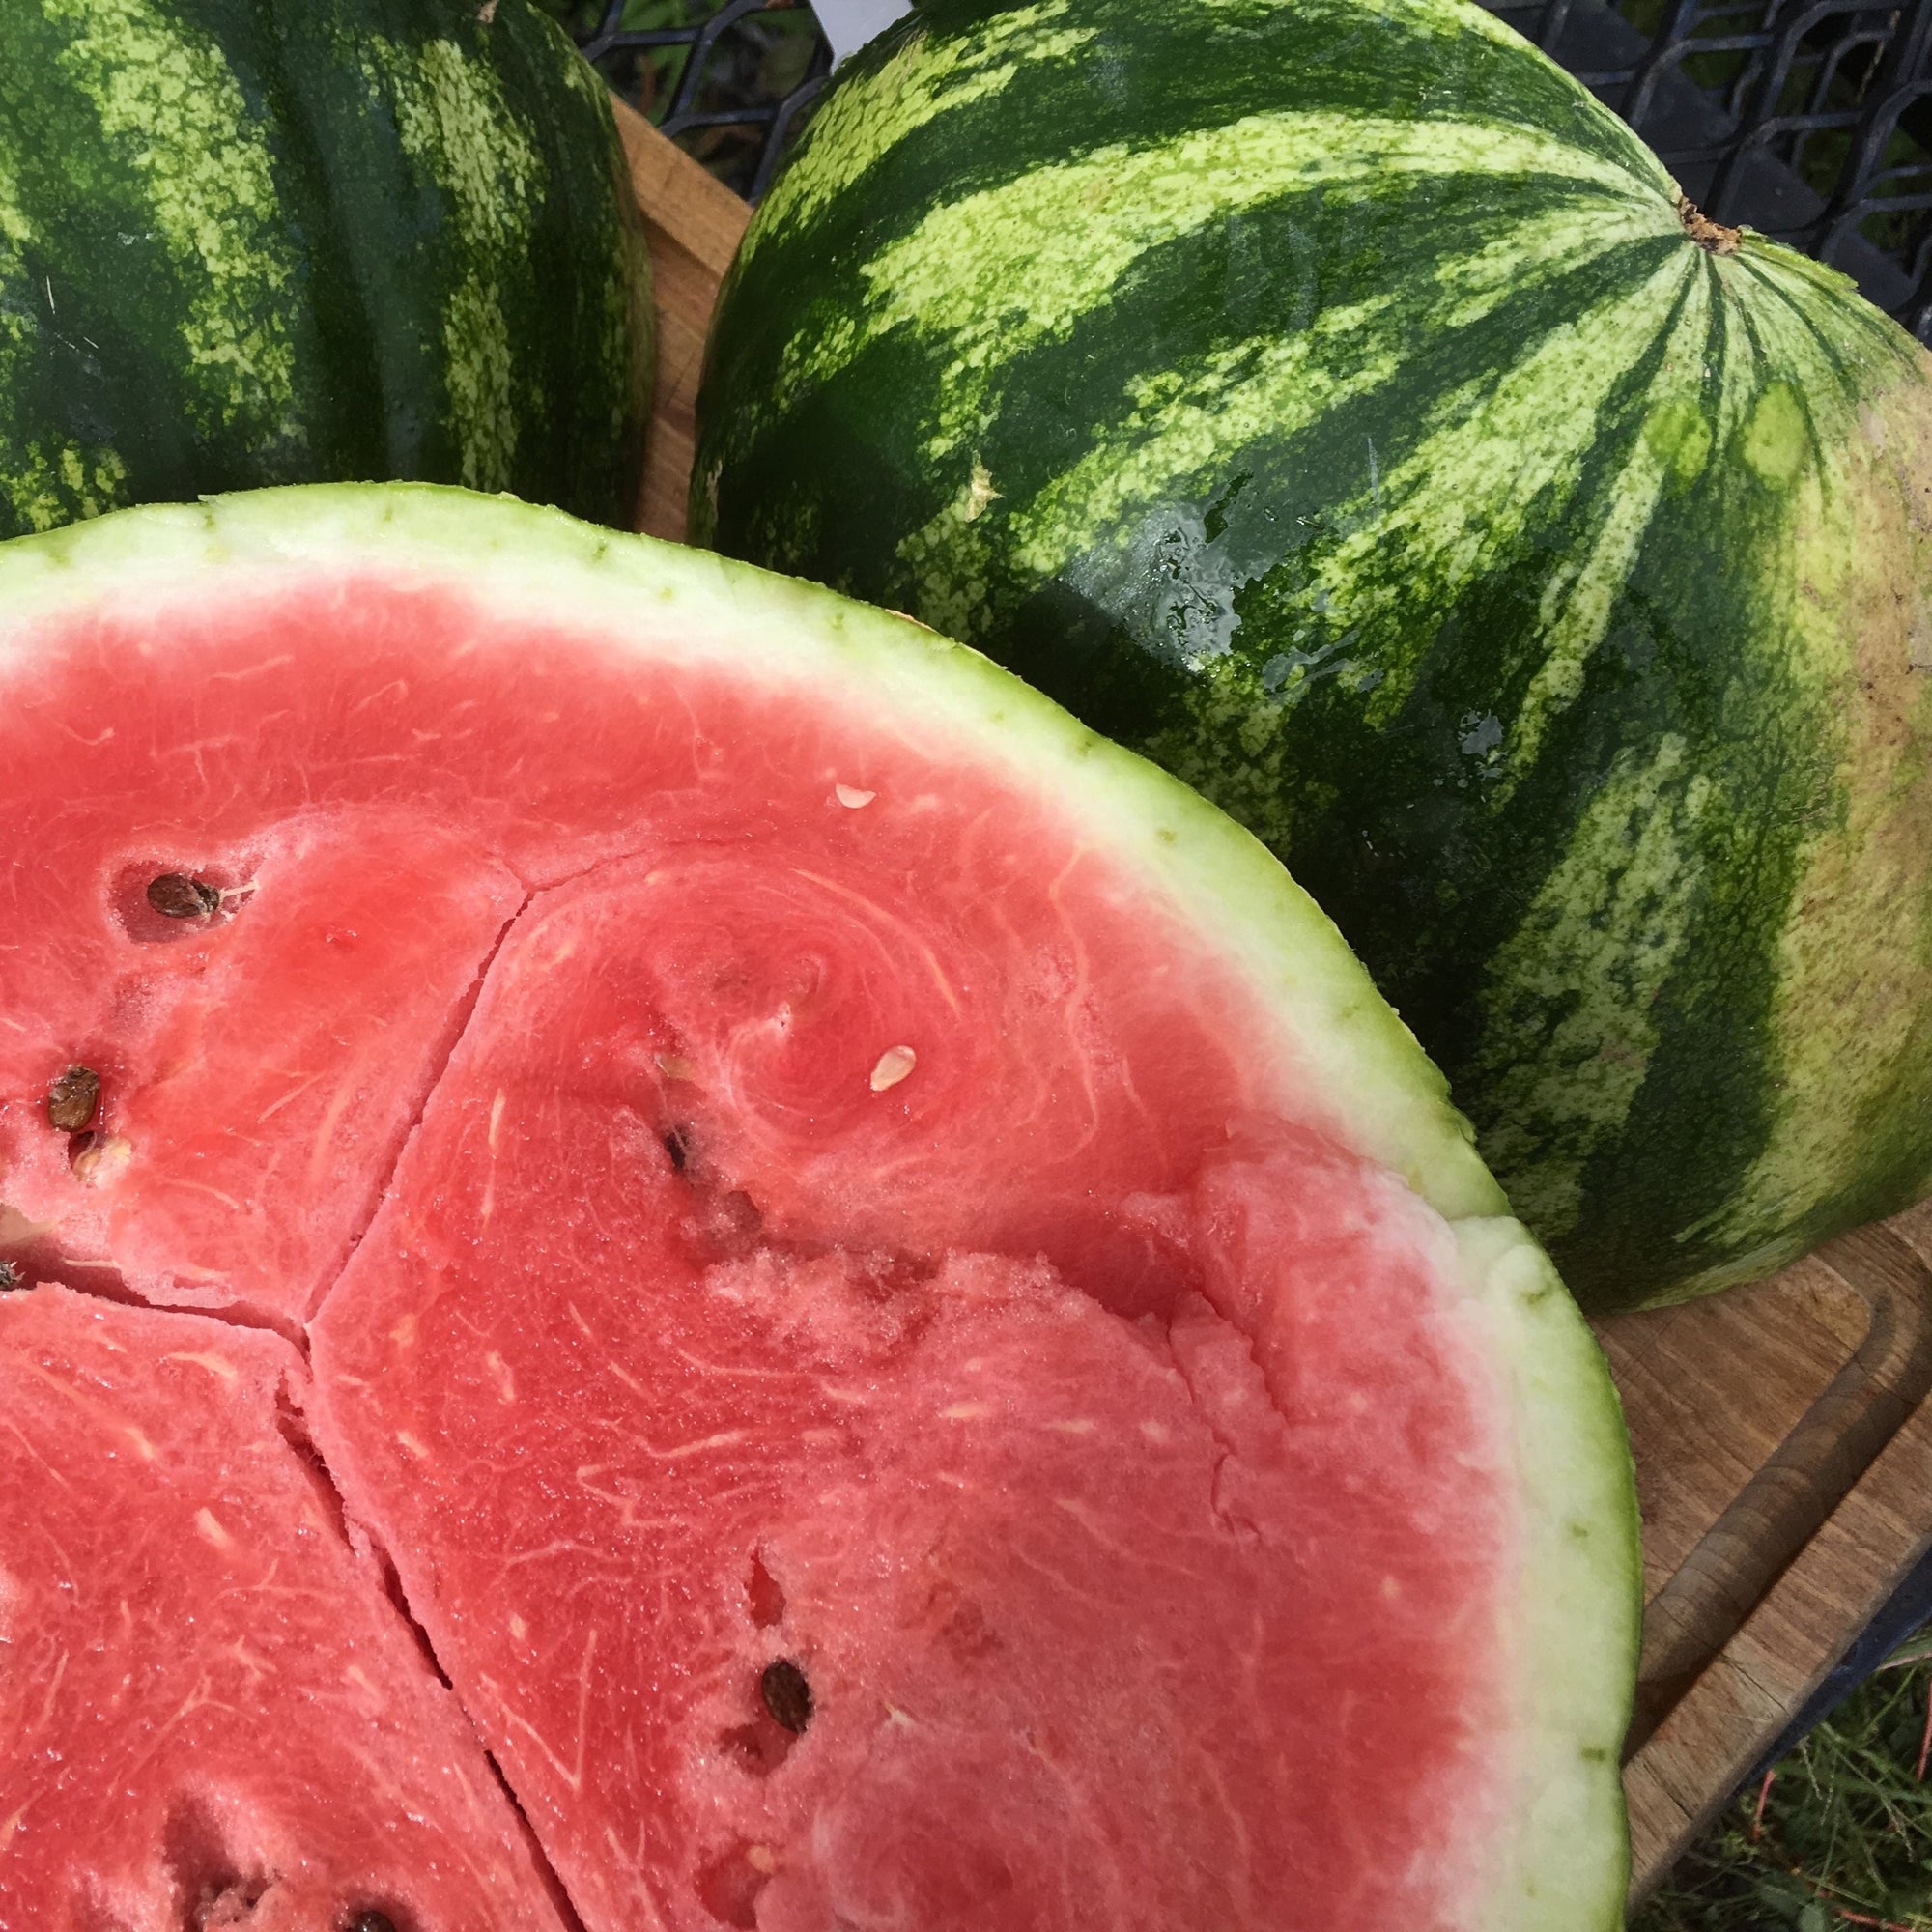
[
  {"x": 1566, "y": 1870},
  {"x": 1335, "y": 403},
  {"x": 274, "y": 244}
]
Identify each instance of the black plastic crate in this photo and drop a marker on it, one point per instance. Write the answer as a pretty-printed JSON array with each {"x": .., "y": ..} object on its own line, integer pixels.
[{"x": 1811, "y": 122}]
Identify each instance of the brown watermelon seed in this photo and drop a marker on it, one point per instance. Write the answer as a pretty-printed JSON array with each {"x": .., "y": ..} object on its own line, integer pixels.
[
  {"x": 72, "y": 1098},
  {"x": 175, "y": 895},
  {"x": 9, "y": 1276},
  {"x": 786, "y": 1695},
  {"x": 679, "y": 1148}
]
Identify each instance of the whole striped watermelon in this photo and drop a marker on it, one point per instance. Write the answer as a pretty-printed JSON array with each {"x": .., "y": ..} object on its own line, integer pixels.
[
  {"x": 1336, "y": 403},
  {"x": 250, "y": 241}
]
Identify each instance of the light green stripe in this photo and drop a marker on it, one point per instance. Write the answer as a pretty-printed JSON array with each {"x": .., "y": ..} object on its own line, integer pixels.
[
  {"x": 1000, "y": 271},
  {"x": 1506, "y": 445},
  {"x": 860, "y": 125},
  {"x": 455, "y": 123},
  {"x": 1186, "y": 421},
  {"x": 44, "y": 484},
  {"x": 1854, "y": 963},
  {"x": 1581, "y": 594},
  {"x": 1416, "y": 538},
  {"x": 168, "y": 102},
  {"x": 1571, "y": 996}
]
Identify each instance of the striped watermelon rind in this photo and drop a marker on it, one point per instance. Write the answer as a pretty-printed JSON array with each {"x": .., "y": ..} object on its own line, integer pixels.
[
  {"x": 1572, "y": 1652},
  {"x": 266, "y": 243},
  {"x": 1336, "y": 404}
]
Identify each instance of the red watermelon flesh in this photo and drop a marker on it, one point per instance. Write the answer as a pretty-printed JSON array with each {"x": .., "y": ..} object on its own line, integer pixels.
[
  {"x": 274, "y": 1053},
  {"x": 213, "y": 1716},
  {"x": 789, "y": 1151},
  {"x": 1060, "y": 1582}
]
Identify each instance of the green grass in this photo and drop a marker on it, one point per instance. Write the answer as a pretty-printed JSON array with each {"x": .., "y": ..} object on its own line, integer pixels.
[{"x": 1839, "y": 1836}]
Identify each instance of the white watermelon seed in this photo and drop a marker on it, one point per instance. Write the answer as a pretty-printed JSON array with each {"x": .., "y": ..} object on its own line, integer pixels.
[
  {"x": 762, "y": 1858},
  {"x": 895, "y": 1064},
  {"x": 852, "y": 796},
  {"x": 102, "y": 1160}
]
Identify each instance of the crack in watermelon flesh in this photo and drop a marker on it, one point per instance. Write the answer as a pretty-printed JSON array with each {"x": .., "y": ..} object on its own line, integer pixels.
[{"x": 760, "y": 1184}]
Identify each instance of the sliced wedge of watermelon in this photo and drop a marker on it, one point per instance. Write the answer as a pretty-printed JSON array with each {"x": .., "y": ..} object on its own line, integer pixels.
[
  {"x": 925, "y": 1348},
  {"x": 213, "y": 1718}
]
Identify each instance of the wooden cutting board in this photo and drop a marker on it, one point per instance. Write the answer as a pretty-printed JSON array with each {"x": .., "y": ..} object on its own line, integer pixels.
[
  {"x": 1783, "y": 1433},
  {"x": 694, "y": 223}
]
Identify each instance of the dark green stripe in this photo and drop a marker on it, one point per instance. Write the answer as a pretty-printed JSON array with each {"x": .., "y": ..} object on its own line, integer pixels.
[
  {"x": 375, "y": 259},
  {"x": 1152, "y": 74}
]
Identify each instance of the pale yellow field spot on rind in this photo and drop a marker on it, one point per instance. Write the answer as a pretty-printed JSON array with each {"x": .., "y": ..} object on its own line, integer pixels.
[
  {"x": 1000, "y": 271},
  {"x": 454, "y": 122},
  {"x": 1778, "y": 439},
  {"x": 167, "y": 99},
  {"x": 894, "y": 1065},
  {"x": 858, "y": 125},
  {"x": 1561, "y": 1089},
  {"x": 1854, "y": 962}
]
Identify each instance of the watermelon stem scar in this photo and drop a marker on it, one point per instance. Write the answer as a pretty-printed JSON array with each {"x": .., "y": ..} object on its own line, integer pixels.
[
  {"x": 620, "y": 1267},
  {"x": 1713, "y": 237}
]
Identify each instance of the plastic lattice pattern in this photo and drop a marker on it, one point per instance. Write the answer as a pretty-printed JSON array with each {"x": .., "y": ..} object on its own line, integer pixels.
[
  {"x": 1810, "y": 120},
  {"x": 1807, "y": 120},
  {"x": 727, "y": 84}
]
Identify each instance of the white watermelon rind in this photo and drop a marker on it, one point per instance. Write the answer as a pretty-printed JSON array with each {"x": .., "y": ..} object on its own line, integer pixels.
[{"x": 1575, "y": 1640}]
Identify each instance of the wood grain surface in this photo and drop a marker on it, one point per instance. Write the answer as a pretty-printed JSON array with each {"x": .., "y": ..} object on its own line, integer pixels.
[
  {"x": 1757, "y": 1578},
  {"x": 692, "y": 223},
  {"x": 1783, "y": 1433}
]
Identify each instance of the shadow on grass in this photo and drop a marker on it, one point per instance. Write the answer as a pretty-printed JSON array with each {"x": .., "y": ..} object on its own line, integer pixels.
[{"x": 1838, "y": 1835}]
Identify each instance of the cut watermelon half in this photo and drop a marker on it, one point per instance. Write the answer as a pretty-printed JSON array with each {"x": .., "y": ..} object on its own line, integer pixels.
[{"x": 923, "y": 1347}]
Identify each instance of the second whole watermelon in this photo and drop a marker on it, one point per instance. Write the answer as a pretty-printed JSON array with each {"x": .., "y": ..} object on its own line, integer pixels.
[
  {"x": 251, "y": 241},
  {"x": 1338, "y": 405}
]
